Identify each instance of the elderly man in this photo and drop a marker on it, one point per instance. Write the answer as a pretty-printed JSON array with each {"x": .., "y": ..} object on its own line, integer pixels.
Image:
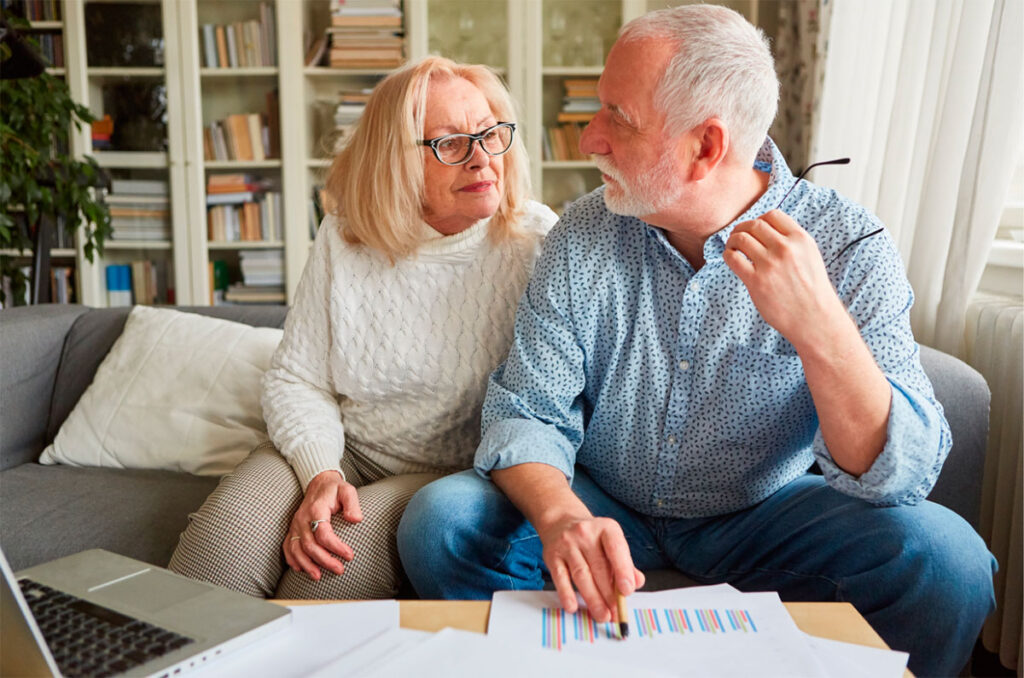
[{"x": 696, "y": 334}]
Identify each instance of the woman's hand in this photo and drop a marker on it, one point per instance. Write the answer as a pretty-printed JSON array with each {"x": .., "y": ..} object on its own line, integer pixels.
[{"x": 308, "y": 550}]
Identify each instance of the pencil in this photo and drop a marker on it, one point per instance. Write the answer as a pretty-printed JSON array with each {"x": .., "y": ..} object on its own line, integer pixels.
[{"x": 620, "y": 603}]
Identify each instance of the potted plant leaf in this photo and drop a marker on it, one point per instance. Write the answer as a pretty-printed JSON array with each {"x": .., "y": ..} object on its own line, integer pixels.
[{"x": 38, "y": 177}]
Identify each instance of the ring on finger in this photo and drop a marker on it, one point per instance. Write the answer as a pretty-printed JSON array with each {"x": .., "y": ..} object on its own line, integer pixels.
[
  {"x": 316, "y": 523},
  {"x": 295, "y": 537}
]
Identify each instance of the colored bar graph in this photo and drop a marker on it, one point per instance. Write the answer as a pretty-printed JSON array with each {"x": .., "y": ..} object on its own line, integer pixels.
[{"x": 559, "y": 628}]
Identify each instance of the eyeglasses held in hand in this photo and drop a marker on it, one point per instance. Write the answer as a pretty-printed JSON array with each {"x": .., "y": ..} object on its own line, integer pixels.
[
  {"x": 457, "y": 149},
  {"x": 838, "y": 161}
]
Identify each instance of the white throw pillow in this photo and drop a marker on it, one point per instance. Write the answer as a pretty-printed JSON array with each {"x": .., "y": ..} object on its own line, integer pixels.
[{"x": 177, "y": 391}]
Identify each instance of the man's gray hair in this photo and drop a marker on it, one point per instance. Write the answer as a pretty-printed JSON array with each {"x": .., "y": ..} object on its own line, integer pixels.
[{"x": 722, "y": 68}]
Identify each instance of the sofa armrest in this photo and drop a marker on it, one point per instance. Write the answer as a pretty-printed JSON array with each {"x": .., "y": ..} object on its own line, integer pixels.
[
  {"x": 965, "y": 396},
  {"x": 31, "y": 343}
]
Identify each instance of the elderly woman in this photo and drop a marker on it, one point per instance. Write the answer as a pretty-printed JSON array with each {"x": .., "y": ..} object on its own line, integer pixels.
[{"x": 405, "y": 307}]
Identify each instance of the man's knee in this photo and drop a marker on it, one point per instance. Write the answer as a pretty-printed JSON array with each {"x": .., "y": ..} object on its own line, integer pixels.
[
  {"x": 440, "y": 512},
  {"x": 939, "y": 554}
]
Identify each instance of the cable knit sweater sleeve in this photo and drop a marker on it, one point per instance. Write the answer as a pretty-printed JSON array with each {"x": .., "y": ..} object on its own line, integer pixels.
[{"x": 300, "y": 403}]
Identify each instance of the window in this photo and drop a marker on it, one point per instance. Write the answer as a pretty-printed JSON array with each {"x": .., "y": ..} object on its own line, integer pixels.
[{"x": 1004, "y": 273}]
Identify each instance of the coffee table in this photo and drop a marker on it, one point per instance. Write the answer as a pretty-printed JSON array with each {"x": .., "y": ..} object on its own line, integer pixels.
[{"x": 836, "y": 621}]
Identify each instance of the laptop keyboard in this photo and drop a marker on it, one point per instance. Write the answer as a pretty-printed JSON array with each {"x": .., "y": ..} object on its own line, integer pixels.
[{"x": 90, "y": 640}]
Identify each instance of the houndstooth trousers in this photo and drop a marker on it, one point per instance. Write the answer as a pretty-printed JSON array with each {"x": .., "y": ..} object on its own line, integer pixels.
[{"x": 234, "y": 539}]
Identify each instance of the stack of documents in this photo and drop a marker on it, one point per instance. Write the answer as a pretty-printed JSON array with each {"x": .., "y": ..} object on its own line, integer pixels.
[{"x": 700, "y": 631}]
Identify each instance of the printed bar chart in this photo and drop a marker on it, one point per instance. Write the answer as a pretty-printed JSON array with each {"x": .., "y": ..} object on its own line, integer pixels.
[{"x": 559, "y": 628}]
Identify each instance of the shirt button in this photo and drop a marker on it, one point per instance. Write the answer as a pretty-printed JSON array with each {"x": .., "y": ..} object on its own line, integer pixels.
[
  {"x": 694, "y": 285},
  {"x": 659, "y": 503},
  {"x": 684, "y": 364},
  {"x": 671, "y": 440}
]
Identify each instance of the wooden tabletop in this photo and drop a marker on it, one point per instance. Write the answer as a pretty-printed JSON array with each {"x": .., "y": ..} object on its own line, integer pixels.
[{"x": 836, "y": 621}]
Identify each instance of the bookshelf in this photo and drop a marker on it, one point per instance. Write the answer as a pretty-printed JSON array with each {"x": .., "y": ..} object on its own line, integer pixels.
[
  {"x": 535, "y": 45},
  {"x": 46, "y": 28}
]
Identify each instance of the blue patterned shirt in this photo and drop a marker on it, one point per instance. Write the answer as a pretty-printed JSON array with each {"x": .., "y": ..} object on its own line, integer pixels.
[{"x": 668, "y": 387}]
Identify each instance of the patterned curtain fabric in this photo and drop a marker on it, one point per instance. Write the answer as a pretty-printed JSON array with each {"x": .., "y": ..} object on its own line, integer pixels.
[{"x": 800, "y": 46}]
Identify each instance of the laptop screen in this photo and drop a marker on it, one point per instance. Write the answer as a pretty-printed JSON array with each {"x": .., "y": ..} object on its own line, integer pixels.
[{"x": 25, "y": 651}]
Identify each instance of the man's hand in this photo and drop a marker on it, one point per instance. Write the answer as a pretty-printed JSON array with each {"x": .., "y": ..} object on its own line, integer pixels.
[
  {"x": 782, "y": 269},
  {"x": 784, "y": 273},
  {"x": 581, "y": 551},
  {"x": 307, "y": 550},
  {"x": 592, "y": 555}
]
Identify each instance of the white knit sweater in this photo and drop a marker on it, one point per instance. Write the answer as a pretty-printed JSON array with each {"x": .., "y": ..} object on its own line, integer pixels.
[{"x": 395, "y": 359}]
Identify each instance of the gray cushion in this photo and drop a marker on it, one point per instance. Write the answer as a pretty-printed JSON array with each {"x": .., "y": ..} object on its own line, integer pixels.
[
  {"x": 53, "y": 511},
  {"x": 31, "y": 340}
]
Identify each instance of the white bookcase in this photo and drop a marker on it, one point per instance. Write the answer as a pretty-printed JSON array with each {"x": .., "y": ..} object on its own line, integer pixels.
[{"x": 516, "y": 37}]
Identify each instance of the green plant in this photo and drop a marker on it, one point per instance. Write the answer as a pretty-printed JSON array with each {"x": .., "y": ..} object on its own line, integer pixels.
[{"x": 36, "y": 178}]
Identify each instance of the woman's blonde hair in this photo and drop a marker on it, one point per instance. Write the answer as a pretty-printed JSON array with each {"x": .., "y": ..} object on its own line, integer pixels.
[{"x": 376, "y": 181}]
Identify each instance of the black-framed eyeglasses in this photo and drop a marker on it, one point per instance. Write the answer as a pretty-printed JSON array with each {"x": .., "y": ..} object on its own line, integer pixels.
[
  {"x": 838, "y": 161},
  {"x": 457, "y": 149}
]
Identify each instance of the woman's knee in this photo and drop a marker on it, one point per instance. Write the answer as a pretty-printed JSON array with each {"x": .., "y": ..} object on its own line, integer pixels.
[{"x": 234, "y": 538}]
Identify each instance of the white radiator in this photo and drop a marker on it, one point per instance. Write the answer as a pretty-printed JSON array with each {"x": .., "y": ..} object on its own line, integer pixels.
[{"x": 995, "y": 347}]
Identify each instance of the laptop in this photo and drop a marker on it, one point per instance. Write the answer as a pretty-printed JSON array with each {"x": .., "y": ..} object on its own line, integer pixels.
[{"x": 97, "y": 613}]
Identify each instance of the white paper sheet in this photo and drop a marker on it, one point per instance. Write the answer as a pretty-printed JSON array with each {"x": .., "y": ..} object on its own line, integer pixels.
[
  {"x": 687, "y": 632},
  {"x": 317, "y": 635},
  {"x": 377, "y": 650},
  {"x": 451, "y": 653},
  {"x": 848, "y": 660}
]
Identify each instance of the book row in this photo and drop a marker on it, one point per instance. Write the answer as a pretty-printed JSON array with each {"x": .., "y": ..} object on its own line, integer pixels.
[
  {"x": 252, "y": 220},
  {"x": 62, "y": 291},
  {"x": 241, "y": 136},
  {"x": 34, "y": 10},
  {"x": 51, "y": 46},
  {"x": 140, "y": 282},
  {"x": 562, "y": 142},
  {"x": 244, "y": 44}
]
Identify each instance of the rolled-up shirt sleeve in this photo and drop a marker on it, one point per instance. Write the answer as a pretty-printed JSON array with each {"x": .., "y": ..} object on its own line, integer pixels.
[
  {"x": 533, "y": 411},
  {"x": 878, "y": 296}
]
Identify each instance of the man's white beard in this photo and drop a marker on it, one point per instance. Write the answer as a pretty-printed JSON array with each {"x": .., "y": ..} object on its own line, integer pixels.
[{"x": 655, "y": 189}]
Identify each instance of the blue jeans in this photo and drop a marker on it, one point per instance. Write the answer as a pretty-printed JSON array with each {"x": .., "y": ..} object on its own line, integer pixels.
[{"x": 920, "y": 575}]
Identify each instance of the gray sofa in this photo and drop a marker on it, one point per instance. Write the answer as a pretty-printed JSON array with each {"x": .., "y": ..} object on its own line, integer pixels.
[{"x": 49, "y": 354}]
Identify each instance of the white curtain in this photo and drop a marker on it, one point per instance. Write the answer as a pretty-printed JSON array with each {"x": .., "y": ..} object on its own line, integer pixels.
[{"x": 927, "y": 99}]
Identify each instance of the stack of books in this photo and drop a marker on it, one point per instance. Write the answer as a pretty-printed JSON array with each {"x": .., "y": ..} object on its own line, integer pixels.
[
  {"x": 244, "y": 44},
  {"x": 139, "y": 210},
  {"x": 351, "y": 104},
  {"x": 579, "y": 106},
  {"x": 262, "y": 278},
  {"x": 366, "y": 34},
  {"x": 102, "y": 131},
  {"x": 241, "y": 208}
]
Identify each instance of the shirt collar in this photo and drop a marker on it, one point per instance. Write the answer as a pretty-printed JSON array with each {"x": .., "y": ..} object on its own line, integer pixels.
[{"x": 780, "y": 179}]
